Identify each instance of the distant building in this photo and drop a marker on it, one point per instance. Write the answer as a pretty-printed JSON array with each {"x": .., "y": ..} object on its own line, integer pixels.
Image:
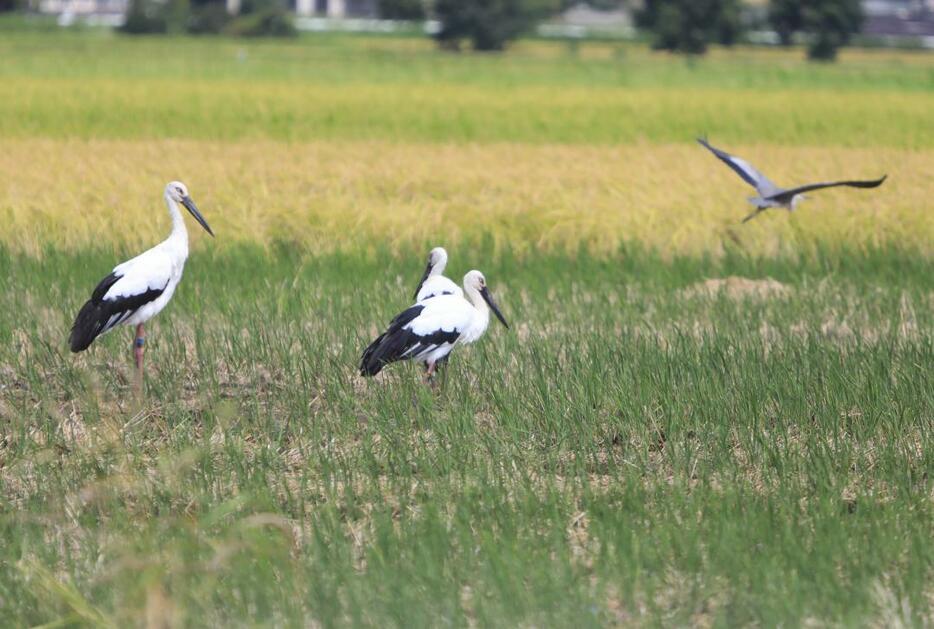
[
  {"x": 582, "y": 14},
  {"x": 336, "y": 8},
  {"x": 899, "y": 18},
  {"x": 110, "y": 11},
  {"x": 884, "y": 18},
  {"x": 582, "y": 20}
]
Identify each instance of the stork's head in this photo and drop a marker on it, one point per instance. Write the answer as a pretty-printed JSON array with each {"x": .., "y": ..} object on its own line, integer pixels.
[
  {"x": 437, "y": 260},
  {"x": 475, "y": 284},
  {"x": 178, "y": 192}
]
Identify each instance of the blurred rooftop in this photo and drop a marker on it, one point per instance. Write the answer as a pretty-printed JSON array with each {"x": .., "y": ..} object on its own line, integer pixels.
[{"x": 885, "y": 19}]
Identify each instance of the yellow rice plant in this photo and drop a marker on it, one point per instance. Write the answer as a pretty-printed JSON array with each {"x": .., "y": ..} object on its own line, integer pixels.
[{"x": 327, "y": 196}]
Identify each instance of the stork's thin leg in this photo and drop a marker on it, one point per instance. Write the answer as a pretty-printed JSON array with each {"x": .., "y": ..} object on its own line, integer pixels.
[
  {"x": 430, "y": 374},
  {"x": 138, "y": 342}
]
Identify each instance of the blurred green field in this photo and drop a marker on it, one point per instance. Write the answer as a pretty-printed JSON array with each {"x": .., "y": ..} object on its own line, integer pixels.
[
  {"x": 166, "y": 108},
  {"x": 689, "y": 422},
  {"x": 107, "y": 87}
]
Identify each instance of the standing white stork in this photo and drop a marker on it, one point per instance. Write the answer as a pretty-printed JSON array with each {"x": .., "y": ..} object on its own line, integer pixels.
[
  {"x": 428, "y": 331},
  {"x": 433, "y": 283},
  {"x": 139, "y": 289},
  {"x": 770, "y": 195}
]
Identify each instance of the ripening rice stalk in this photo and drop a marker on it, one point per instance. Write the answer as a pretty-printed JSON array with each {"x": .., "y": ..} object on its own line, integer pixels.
[{"x": 327, "y": 196}]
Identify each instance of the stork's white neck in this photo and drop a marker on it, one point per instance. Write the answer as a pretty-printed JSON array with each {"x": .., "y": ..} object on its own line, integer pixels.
[
  {"x": 179, "y": 231},
  {"x": 439, "y": 266},
  {"x": 479, "y": 303},
  {"x": 481, "y": 317}
]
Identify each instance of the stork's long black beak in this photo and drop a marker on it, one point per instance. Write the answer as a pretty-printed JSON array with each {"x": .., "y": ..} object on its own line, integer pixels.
[
  {"x": 422, "y": 281},
  {"x": 191, "y": 207},
  {"x": 488, "y": 298}
]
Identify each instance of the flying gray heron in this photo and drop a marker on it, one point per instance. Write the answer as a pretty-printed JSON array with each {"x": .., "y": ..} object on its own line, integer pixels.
[{"x": 770, "y": 195}]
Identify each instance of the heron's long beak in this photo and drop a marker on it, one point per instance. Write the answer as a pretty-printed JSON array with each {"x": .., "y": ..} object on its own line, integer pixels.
[
  {"x": 191, "y": 207},
  {"x": 422, "y": 281},
  {"x": 488, "y": 298}
]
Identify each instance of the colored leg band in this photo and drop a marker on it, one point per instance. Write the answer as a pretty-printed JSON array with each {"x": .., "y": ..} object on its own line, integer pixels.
[{"x": 140, "y": 341}]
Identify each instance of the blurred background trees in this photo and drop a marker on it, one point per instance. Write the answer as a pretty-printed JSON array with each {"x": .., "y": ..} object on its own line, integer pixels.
[
  {"x": 828, "y": 24},
  {"x": 256, "y": 18},
  {"x": 488, "y": 24},
  {"x": 689, "y": 26},
  {"x": 144, "y": 16},
  {"x": 402, "y": 9},
  {"x": 785, "y": 18},
  {"x": 680, "y": 26}
]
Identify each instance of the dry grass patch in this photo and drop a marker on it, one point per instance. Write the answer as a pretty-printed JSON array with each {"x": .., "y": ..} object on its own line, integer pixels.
[{"x": 738, "y": 288}]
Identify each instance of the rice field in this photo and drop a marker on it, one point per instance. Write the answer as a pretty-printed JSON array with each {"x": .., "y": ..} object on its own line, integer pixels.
[
  {"x": 689, "y": 422},
  {"x": 344, "y": 196}
]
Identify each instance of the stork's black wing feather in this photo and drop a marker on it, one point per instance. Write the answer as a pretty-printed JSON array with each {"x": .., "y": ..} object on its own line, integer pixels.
[
  {"x": 389, "y": 346},
  {"x": 104, "y": 286},
  {"x": 401, "y": 343},
  {"x": 419, "y": 345},
  {"x": 99, "y": 315}
]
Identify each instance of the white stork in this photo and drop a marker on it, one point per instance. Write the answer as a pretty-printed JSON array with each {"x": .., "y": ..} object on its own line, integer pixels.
[
  {"x": 428, "y": 331},
  {"x": 139, "y": 289},
  {"x": 770, "y": 195},
  {"x": 433, "y": 283}
]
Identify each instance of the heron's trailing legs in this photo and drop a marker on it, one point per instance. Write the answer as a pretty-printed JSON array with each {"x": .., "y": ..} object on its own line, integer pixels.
[{"x": 138, "y": 349}]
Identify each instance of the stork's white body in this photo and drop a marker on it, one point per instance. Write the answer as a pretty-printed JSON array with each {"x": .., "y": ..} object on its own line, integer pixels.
[
  {"x": 428, "y": 331},
  {"x": 158, "y": 268},
  {"x": 453, "y": 317},
  {"x": 438, "y": 286},
  {"x": 137, "y": 290}
]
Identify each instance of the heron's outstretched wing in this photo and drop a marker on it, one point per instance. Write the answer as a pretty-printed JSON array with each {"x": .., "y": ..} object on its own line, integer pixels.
[
  {"x": 872, "y": 183},
  {"x": 744, "y": 169}
]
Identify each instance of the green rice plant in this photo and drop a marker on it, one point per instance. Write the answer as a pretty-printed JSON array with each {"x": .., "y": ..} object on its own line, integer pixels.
[{"x": 681, "y": 441}]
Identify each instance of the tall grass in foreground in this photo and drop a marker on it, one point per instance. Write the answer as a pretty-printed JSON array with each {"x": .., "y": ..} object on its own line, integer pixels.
[{"x": 638, "y": 449}]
